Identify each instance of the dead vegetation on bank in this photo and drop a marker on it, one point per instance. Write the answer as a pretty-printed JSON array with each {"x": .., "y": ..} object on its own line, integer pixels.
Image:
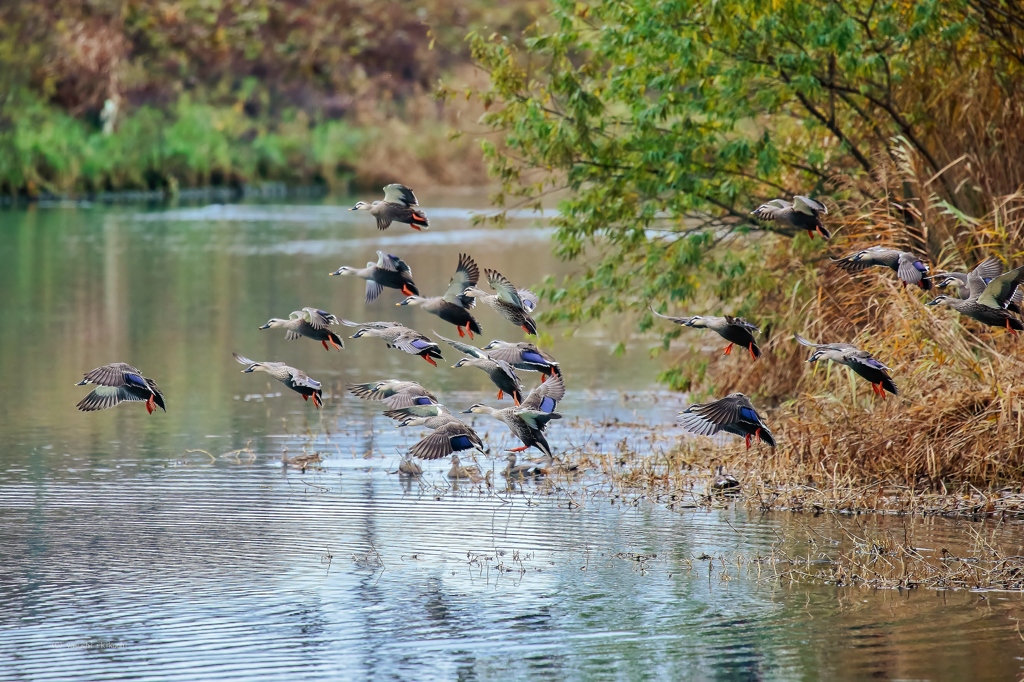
[{"x": 958, "y": 422}]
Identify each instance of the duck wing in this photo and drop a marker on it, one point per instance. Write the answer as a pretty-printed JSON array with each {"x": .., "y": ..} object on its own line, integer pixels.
[
  {"x": 455, "y": 436},
  {"x": 399, "y": 194},
  {"x": 1002, "y": 288},
  {"x": 300, "y": 378},
  {"x": 545, "y": 396},
  {"x": 466, "y": 275},
  {"x": 115, "y": 374},
  {"x": 809, "y": 206},
  {"x": 465, "y": 348},
  {"x": 318, "y": 319},
  {"x": 990, "y": 268},
  {"x": 389, "y": 261},
  {"x": 677, "y": 320},
  {"x": 507, "y": 291},
  {"x": 910, "y": 269},
  {"x": 773, "y": 210},
  {"x": 103, "y": 397}
]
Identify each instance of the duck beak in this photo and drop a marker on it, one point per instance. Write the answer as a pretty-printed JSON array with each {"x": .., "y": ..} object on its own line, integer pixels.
[
  {"x": 336, "y": 272},
  {"x": 934, "y": 301},
  {"x": 469, "y": 411},
  {"x": 266, "y": 326}
]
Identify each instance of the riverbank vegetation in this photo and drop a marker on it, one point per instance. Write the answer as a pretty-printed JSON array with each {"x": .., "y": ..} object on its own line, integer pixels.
[
  {"x": 667, "y": 123},
  {"x": 120, "y": 94}
]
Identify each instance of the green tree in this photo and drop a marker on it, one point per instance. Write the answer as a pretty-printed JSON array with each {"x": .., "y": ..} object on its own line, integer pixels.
[{"x": 668, "y": 121}]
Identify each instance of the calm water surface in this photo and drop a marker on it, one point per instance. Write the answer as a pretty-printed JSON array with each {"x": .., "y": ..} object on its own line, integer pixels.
[{"x": 175, "y": 546}]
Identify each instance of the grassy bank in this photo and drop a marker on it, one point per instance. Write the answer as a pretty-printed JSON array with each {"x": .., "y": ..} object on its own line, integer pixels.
[{"x": 192, "y": 144}]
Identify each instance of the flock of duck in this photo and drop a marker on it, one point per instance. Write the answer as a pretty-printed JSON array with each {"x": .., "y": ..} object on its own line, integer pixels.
[{"x": 986, "y": 294}]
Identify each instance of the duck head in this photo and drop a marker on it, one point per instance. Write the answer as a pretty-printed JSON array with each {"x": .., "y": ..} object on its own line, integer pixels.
[
  {"x": 274, "y": 322},
  {"x": 343, "y": 270},
  {"x": 361, "y": 206},
  {"x": 941, "y": 300},
  {"x": 411, "y": 300},
  {"x": 696, "y": 322},
  {"x": 479, "y": 409}
]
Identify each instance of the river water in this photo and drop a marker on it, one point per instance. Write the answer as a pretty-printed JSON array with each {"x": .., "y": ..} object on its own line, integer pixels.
[{"x": 176, "y": 546}]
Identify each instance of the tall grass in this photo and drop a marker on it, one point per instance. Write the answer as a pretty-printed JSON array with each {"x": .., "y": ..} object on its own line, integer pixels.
[{"x": 959, "y": 418}]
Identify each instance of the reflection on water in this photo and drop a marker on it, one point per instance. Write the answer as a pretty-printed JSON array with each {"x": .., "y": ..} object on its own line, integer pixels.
[{"x": 175, "y": 546}]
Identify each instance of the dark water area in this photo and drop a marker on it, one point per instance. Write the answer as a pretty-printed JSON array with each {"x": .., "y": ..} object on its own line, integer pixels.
[{"x": 176, "y": 546}]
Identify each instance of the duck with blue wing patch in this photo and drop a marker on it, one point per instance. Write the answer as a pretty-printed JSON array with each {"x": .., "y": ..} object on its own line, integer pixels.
[
  {"x": 501, "y": 374},
  {"x": 393, "y": 393},
  {"x": 732, "y": 414},
  {"x": 909, "y": 268},
  {"x": 524, "y": 356},
  {"x": 295, "y": 379},
  {"x": 400, "y": 337},
  {"x": 860, "y": 361},
  {"x": 117, "y": 383},
  {"x": 450, "y": 434},
  {"x": 528, "y": 421},
  {"x": 515, "y": 305}
]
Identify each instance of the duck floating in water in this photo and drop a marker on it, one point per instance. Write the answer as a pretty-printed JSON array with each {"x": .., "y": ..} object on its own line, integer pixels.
[
  {"x": 459, "y": 472},
  {"x": 295, "y": 379},
  {"x": 455, "y": 305},
  {"x": 515, "y": 305},
  {"x": 987, "y": 302},
  {"x": 389, "y": 272},
  {"x": 724, "y": 483},
  {"x": 735, "y": 330},
  {"x": 803, "y": 213},
  {"x": 528, "y": 421},
  {"x": 312, "y": 323},
  {"x": 908, "y": 267},
  {"x": 732, "y": 414},
  {"x": 118, "y": 383},
  {"x": 399, "y": 206},
  {"x": 860, "y": 361},
  {"x": 528, "y": 470},
  {"x": 409, "y": 467},
  {"x": 501, "y": 374}
]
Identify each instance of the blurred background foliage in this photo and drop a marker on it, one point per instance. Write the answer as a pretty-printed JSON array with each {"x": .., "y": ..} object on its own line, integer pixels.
[{"x": 196, "y": 92}]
